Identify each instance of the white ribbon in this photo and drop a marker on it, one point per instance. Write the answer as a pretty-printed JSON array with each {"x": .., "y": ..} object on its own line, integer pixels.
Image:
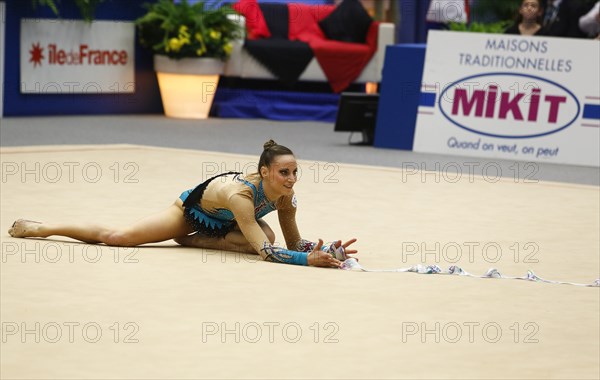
[{"x": 352, "y": 264}]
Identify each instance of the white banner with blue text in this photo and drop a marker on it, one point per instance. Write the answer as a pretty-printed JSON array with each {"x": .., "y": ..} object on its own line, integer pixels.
[
  {"x": 510, "y": 97},
  {"x": 76, "y": 57}
]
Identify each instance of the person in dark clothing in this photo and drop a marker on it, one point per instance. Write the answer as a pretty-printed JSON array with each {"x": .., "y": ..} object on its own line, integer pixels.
[
  {"x": 561, "y": 18},
  {"x": 529, "y": 19}
]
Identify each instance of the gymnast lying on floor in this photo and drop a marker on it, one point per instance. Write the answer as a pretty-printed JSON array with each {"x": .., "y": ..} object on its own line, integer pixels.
[{"x": 224, "y": 212}]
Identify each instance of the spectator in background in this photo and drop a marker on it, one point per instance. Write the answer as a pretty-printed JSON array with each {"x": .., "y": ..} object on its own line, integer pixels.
[
  {"x": 529, "y": 19},
  {"x": 590, "y": 22},
  {"x": 562, "y": 18}
]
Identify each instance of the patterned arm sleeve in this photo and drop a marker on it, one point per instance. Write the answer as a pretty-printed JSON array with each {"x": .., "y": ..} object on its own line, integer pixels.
[
  {"x": 304, "y": 245},
  {"x": 243, "y": 211},
  {"x": 308, "y": 246},
  {"x": 285, "y": 256}
]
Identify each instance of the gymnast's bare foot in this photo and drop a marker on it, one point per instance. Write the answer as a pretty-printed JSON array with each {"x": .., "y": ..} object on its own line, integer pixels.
[{"x": 25, "y": 228}]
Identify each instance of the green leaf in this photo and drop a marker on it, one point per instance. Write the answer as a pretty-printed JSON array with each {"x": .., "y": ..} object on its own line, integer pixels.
[{"x": 479, "y": 27}]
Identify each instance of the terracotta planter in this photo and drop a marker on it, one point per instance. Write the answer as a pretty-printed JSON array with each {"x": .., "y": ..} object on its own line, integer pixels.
[{"x": 187, "y": 86}]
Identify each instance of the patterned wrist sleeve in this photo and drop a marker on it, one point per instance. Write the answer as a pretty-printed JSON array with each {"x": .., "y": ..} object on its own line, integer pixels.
[
  {"x": 305, "y": 245},
  {"x": 285, "y": 256}
]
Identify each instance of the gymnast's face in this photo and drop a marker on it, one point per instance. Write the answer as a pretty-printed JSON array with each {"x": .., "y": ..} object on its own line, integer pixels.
[{"x": 281, "y": 175}]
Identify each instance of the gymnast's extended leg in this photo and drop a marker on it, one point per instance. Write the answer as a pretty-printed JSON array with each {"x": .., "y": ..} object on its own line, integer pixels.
[{"x": 161, "y": 226}]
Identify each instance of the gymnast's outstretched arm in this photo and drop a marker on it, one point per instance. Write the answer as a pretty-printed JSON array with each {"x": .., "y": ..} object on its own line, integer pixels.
[
  {"x": 243, "y": 210},
  {"x": 293, "y": 240}
]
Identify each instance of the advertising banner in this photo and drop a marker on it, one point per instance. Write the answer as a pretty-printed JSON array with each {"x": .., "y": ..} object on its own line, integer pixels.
[
  {"x": 75, "y": 57},
  {"x": 510, "y": 97}
]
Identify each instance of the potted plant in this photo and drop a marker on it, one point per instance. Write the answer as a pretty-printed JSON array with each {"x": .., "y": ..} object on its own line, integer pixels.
[{"x": 190, "y": 44}]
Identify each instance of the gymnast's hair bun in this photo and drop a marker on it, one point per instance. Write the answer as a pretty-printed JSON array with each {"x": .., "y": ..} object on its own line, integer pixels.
[{"x": 269, "y": 144}]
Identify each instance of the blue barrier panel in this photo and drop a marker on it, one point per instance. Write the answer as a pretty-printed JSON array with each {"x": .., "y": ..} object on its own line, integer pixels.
[{"x": 400, "y": 96}]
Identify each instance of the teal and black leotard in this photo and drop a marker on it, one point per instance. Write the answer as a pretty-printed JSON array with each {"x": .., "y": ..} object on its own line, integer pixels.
[
  {"x": 218, "y": 221},
  {"x": 208, "y": 209}
]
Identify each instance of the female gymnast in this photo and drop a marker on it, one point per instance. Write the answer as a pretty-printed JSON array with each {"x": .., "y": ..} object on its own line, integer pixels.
[{"x": 224, "y": 212}]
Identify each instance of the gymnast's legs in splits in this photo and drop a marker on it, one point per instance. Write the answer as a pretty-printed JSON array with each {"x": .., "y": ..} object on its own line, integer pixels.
[{"x": 167, "y": 224}]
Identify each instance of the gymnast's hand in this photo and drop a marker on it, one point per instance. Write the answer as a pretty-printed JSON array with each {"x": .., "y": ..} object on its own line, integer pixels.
[
  {"x": 346, "y": 245},
  {"x": 318, "y": 258}
]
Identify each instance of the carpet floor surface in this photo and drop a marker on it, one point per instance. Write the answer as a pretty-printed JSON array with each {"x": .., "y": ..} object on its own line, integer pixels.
[{"x": 76, "y": 311}]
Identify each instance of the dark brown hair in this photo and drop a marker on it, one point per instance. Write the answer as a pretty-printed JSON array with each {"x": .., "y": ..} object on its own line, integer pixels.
[
  {"x": 271, "y": 150},
  {"x": 539, "y": 19}
]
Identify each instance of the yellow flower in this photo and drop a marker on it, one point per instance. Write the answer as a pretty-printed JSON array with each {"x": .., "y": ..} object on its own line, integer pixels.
[
  {"x": 186, "y": 31},
  {"x": 174, "y": 45},
  {"x": 183, "y": 32},
  {"x": 227, "y": 48},
  {"x": 214, "y": 34}
]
